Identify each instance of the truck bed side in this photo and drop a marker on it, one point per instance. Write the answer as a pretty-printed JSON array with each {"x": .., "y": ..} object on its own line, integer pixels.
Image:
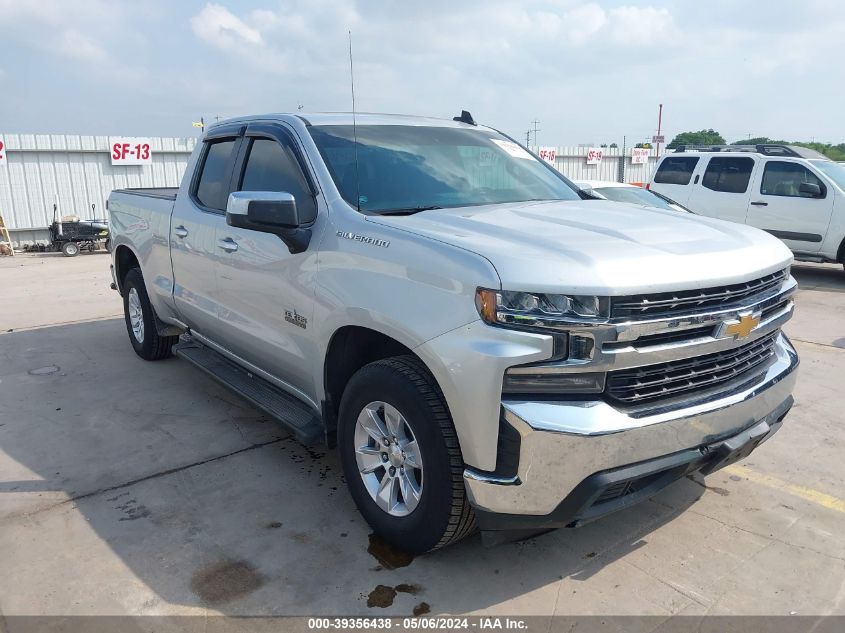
[{"x": 140, "y": 231}]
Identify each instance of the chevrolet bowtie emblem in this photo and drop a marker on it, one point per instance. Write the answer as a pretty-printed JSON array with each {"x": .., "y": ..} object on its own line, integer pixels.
[{"x": 741, "y": 328}]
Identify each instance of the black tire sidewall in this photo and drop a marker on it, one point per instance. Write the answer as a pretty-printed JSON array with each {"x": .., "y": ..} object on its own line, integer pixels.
[
  {"x": 423, "y": 528},
  {"x": 134, "y": 279}
]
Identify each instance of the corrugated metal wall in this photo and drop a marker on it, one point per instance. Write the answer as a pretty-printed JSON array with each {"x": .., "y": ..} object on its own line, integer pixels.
[
  {"x": 572, "y": 162},
  {"x": 79, "y": 170}
]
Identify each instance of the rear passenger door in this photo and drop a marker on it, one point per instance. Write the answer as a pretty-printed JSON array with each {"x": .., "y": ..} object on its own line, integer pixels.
[
  {"x": 723, "y": 187},
  {"x": 786, "y": 209},
  {"x": 266, "y": 292}
]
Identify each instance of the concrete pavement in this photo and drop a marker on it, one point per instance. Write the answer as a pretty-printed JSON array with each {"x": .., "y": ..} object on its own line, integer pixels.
[{"x": 145, "y": 488}]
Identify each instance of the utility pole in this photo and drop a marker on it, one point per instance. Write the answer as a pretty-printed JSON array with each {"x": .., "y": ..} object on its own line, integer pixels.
[
  {"x": 659, "y": 124},
  {"x": 528, "y": 139},
  {"x": 535, "y": 122},
  {"x": 217, "y": 118}
]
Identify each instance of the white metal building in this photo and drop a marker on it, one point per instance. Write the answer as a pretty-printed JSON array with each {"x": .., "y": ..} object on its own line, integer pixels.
[
  {"x": 36, "y": 168},
  {"x": 78, "y": 169}
]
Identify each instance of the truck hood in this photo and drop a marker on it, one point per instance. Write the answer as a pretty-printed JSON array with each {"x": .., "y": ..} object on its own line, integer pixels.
[{"x": 599, "y": 247}]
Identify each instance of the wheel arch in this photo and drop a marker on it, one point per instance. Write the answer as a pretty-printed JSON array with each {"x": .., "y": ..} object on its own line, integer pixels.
[
  {"x": 350, "y": 348},
  {"x": 125, "y": 260}
]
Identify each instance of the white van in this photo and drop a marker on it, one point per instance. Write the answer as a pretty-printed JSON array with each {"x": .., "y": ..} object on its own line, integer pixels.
[{"x": 794, "y": 193}]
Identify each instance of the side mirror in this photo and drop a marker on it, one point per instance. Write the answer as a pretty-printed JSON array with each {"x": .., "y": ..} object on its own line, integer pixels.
[
  {"x": 810, "y": 190},
  {"x": 268, "y": 212},
  {"x": 265, "y": 211}
]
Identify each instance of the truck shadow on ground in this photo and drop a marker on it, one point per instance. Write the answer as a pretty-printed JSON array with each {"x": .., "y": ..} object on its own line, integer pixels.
[{"x": 155, "y": 469}]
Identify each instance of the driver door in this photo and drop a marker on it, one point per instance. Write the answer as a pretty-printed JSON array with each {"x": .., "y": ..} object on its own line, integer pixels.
[{"x": 266, "y": 293}]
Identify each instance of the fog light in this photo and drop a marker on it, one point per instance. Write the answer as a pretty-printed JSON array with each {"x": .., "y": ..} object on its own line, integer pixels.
[{"x": 533, "y": 380}]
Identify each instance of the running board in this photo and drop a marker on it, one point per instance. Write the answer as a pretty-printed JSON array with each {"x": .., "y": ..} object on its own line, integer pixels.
[{"x": 297, "y": 416}]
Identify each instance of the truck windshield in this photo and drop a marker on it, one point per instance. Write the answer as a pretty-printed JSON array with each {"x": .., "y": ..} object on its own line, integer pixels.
[
  {"x": 408, "y": 168},
  {"x": 633, "y": 195}
]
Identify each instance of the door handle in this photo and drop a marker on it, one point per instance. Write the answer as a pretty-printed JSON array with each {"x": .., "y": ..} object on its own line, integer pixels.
[
  {"x": 181, "y": 231},
  {"x": 760, "y": 204},
  {"x": 229, "y": 245}
]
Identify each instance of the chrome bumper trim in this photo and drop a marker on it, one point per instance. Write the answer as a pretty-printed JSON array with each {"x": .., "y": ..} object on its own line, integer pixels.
[{"x": 562, "y": 443}]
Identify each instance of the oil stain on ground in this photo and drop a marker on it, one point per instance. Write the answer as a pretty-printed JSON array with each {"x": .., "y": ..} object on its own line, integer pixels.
[
  {"x": 382, "y": 596},
  {"x": 226, "y": 580},
  {"x": 387, "y": 555},
  {"x": 421, "y": 609}
]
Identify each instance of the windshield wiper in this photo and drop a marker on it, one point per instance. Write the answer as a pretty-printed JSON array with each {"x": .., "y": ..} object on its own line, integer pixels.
[{"x": 407, "y": 210}]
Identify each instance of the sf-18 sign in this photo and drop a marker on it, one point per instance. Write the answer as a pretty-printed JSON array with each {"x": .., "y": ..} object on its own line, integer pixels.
[
  {"x": 548, "y": 154},
  {"x": 130, "y": 151},
  {"x": 594, "y": 155}
]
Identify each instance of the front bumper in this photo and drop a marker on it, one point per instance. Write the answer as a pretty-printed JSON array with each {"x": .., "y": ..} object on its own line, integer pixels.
[{"x": 579, "y": 460}]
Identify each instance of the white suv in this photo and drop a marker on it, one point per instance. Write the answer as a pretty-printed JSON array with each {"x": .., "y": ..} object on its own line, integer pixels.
[{"x": 794, "y": 193}]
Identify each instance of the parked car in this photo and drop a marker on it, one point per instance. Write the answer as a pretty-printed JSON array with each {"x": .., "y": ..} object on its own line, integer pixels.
[
  {"x": 794, "y": 193},
  {"x": 632, "y": 194},
  {"x": 484, "y": 346}
]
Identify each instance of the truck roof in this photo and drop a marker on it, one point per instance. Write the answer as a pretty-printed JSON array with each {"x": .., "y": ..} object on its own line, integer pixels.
[{"x": 345, "y": 118}]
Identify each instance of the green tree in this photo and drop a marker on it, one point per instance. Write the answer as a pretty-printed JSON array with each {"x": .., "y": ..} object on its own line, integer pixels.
[
  {"x": 834, "y": 152},
  {"x": 702, "y": 137},
  {"x": 757, "y": 140},
  {"x": 643, "y": 145},
  {"x": 614, "y": 145}
]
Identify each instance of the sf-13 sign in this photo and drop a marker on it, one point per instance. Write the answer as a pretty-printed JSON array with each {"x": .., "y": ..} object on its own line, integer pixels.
[{"x": 130, "y": 151}]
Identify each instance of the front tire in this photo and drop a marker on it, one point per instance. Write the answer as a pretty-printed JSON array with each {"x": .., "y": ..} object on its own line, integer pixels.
[
  {"x": 401, "y": 457},
  {"x": 140, "y": 320},
  {"x": 70, "y": 249}
]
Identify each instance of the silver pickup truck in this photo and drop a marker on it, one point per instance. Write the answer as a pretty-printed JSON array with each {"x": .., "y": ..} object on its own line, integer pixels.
[{"x": 486, "y": 346}]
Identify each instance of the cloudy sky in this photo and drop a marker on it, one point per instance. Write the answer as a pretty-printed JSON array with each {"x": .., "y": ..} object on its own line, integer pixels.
[{"x": 590, "y": 72}]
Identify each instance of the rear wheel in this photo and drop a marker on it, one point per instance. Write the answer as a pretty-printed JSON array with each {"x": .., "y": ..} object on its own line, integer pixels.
[
  {"x": 70, "y": 249},
  {"x": 140, "y": 320},
  {"x": 401, "y": 457}
]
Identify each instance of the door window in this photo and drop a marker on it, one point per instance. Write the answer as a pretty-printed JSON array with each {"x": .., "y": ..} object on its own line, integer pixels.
[
  {"x": 781, "y": 178},
  {"x": 676, "y": 170},
  {"x": 728, "y": 175},
  {"x": 213, "y": 185},
  {"x": 271, "y": 166}
]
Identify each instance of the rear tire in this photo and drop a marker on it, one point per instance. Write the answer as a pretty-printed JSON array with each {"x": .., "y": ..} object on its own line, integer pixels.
[
  {"x": 70, "y": 249},
  {"x": 140, "y": 320},
  {"x": 401, "y": 393}
]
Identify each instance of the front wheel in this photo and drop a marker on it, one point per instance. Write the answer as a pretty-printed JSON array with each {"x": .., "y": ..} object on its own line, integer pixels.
[
  {"x": 70, "y": 249},
  {"x": 401, "y": 457},
  {"x": 140, "y": 320}
]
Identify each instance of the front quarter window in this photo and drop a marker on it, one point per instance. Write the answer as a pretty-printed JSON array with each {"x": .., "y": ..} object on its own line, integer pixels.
[
  {"x": 412, "y": 167},
  {"x": 834, "y": 171}
]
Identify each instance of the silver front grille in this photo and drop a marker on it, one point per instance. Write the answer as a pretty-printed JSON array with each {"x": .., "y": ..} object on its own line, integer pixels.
[
  {"x": 685, "y": 302},
  {"x": 683, "y": 377}
]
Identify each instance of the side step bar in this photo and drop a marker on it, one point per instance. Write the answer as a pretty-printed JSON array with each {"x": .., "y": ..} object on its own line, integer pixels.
[{"x": 297, "y": 416}]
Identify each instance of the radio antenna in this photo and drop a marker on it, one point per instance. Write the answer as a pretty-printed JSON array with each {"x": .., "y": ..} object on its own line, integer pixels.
[{"x": 354, "y": 130}]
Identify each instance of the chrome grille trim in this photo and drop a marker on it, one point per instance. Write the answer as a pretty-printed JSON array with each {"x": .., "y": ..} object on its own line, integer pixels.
[
  {"x": 685, "y": 302},
  {"x": 679, "y": 378}
]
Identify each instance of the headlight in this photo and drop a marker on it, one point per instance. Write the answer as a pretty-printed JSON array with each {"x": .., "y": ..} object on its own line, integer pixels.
[{"x": 539, "y": 311}]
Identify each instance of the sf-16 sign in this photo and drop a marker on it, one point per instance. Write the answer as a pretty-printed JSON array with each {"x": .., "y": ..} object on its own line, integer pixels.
[{"x": 130, "y": 151}]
